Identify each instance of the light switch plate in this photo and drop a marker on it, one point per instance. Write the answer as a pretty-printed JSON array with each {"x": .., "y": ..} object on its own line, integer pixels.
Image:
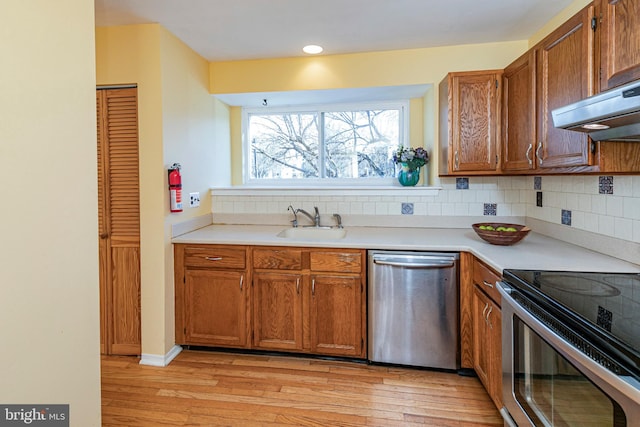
[{"x": 194, "y": 200}]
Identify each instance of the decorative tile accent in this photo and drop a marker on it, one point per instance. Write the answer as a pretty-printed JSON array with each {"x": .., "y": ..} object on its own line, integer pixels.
[
  {"x": 539, "y": 199},
  {"x": 566, "y": 217},
  {"x": 491, "y": 209},
  {"x": 605, "y": 185},
  {"x": 462, "y": 183},
  {"x": 537, "y": 183},
  {"x": 407, "y": 209},
  {"x": 605, "y": 317}
]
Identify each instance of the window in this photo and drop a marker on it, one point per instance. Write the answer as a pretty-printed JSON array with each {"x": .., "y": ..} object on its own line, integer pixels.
[{"x": 348, "y": 145}]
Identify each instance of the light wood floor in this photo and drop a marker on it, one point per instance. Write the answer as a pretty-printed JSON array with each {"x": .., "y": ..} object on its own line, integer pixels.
[{"x": 222, "y": 389}]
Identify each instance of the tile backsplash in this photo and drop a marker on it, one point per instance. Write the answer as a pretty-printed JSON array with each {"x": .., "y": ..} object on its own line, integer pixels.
[{"x": 605, "y": 205}]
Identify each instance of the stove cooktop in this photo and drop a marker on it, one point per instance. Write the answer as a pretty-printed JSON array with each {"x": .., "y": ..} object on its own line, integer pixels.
[{"x": 608, "y": 301}]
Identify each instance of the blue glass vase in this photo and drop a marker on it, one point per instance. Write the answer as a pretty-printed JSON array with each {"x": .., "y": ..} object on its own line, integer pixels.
[{"x": 407, "y": 177}]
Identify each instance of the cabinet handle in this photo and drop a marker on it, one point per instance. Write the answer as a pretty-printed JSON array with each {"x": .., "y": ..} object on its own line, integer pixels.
[
  {"x": 213, "y": 258},
  {"x": 313, "y": 286},
  {"x": 484, "y": 282},
  {"x": 456, "y": 163},
  {"x": 486, "y": 305},
  {"x": 298, "y": 286},
  {"x": 241, "y": 282},
  {"x": 488, "y": 314},
  {"x": 538, "y": 155},
  {"x": 528, "y": 154}
]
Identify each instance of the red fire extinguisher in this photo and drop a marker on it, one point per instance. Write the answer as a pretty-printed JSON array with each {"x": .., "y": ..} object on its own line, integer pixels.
[{"x": 175, "y": 188}]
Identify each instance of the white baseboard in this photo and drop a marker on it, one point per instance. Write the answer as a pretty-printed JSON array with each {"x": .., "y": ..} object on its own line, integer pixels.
[{"x": 160, "y": 360}]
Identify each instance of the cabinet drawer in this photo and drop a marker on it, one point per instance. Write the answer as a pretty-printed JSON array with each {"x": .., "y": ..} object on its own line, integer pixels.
[
  {"x": 486, "y": 279},
  {"x": 341, "y": 262},
  {"x": 215, "y": 257},
  {"x": 280, "y": 259}
]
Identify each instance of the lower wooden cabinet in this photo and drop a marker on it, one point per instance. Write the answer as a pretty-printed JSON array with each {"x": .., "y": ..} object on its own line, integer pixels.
[
  {"x": 336, "y": 316},
  {"x": 487, "y": 330},
  {"x": 212, "y": 292},
  {"x": 277, "y": 311},
  {"x": 300, "y": 300},
  {"x": 487, "y": 347},
  {"x": 309, "y": 300},
  {"x": 215, "y": 308}
]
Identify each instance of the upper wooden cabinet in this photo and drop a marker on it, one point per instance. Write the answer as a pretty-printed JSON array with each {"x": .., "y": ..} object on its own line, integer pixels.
[
  {"x": 596, "y": 49},
  {"x": 469, "y": 122},
  {"x": 565, "y": 74},
  {"x": 519, "y": 125},
  {"x": 620, "y": 42}
]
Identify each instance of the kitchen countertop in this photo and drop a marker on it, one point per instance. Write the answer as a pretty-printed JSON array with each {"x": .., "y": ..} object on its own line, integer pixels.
[{"x": 534, "y": 252}]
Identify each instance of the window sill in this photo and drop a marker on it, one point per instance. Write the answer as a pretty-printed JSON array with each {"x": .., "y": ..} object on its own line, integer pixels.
[{"x": 390, "y": 190}]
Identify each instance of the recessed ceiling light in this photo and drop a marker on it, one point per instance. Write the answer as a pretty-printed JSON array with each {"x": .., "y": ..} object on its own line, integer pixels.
[{"x": 312, "y": 49}]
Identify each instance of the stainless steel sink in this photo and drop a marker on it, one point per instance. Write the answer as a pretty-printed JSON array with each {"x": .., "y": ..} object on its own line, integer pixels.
[{"x": 313, "y": 233}]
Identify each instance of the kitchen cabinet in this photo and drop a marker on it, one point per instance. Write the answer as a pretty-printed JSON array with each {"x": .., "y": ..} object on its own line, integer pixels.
[
  {"x": 277, "y": 299},
  {"x": 271, "y": 298},
  {"x": 565, "y": 74},
  {"x": 337, "y": 306},
  {"x": 469, "y": 122},
  {"x": 309, "y": 300},
  {"x": 487, "y": 330},
  {"x": 619, "y": 42},
  {"x": 212, "y": 295},
  {"x": 519, "y": 125}
]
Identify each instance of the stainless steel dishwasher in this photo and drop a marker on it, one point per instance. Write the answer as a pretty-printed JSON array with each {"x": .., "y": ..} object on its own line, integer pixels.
[{"x": 413, "y": 308}]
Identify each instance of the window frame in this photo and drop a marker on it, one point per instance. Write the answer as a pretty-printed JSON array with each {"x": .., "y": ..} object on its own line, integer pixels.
[{"x": 402, "y": 105}]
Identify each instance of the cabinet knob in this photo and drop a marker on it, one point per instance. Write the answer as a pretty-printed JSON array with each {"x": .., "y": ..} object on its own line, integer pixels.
[
  {"x": 104, "y": 235},
  {"x": 528, "y": 154},
  {"x": 484, "y": 282},
  {"x": 213, "y": 258},
  {"x": 456, "y": 163}
]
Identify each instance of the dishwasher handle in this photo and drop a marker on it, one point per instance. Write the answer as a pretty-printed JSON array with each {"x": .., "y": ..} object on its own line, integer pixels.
[{"x": 425, "y": 264}]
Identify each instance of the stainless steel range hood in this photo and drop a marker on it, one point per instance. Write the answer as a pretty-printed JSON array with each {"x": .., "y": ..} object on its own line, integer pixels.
[{"x": 613, "y": 115}]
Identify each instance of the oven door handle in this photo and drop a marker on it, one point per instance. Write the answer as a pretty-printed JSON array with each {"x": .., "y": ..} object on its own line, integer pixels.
[{"x": 619, "y": 388}]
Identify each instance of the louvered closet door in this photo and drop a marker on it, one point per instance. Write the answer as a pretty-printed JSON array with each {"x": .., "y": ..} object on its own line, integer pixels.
[{"x": 119, "y": 220}]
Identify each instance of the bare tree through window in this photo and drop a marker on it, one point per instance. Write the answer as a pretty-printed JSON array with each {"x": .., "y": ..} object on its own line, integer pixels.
[{"x": 325, "y": 144}]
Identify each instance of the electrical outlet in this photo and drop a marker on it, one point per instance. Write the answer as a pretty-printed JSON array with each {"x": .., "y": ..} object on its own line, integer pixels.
[{"x": 194, "y": 200}]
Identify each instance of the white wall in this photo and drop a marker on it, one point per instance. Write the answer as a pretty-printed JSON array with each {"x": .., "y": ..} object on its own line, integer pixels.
[{"x": 49, "y": 306}]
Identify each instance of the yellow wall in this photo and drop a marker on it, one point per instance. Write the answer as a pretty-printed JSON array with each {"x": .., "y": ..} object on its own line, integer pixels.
[
  {"x": 179, "y": 122},
  {"x": 49, "y": 292},
  {"x": 399, "y": 67}
]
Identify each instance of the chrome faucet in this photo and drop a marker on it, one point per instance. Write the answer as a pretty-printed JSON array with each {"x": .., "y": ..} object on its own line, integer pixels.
[
  {"x": 294, "y": 221},
  {"x": 315, "y": 219}
]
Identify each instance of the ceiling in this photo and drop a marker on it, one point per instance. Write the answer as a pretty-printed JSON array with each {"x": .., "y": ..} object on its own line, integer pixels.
[{"x": 224, "y": 30}]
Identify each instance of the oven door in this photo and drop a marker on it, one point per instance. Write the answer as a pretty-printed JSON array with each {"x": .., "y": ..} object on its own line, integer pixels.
[{"x": 549, "y": 382}]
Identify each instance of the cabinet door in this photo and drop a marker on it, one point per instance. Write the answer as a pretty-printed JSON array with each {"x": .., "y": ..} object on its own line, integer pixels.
[
  {"x": 620, "y": 42},
  {"x": 519, "y": 114},
  {"x": 494, "y": 321},
  {"x": 487, "y": 348},
  {"x": 565, "y": 75},
  {"x": 481, "y": 355},
  {"x": 336, "y": 318},
  {"x": 216, "y": 308},
  {"x": 277, "y": 311},
  {"x": 474, "y": 101}
]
